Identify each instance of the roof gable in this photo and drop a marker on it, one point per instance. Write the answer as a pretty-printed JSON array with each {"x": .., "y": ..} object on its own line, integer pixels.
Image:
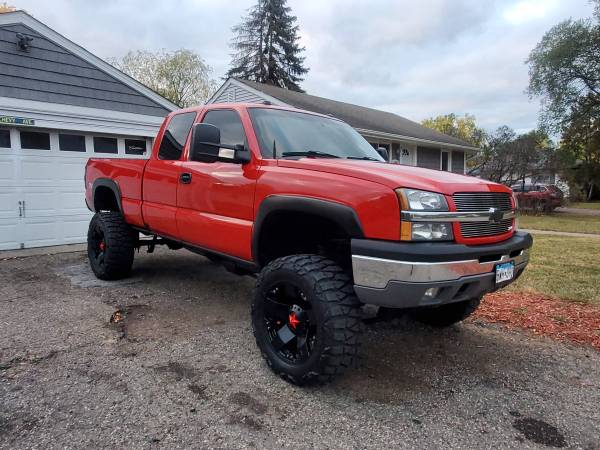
[
  {"x": 360, "y": 117},
  {"x": 56, "y": 70}
]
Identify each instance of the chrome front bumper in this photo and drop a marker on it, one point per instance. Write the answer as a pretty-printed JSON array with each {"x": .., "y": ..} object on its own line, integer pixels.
[
  {"x": 377, "y": 272},
  {"x": 407, "y": 278}
]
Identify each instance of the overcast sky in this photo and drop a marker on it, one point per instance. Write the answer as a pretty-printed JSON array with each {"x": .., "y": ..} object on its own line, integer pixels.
[{"x": 416, "y": 58}]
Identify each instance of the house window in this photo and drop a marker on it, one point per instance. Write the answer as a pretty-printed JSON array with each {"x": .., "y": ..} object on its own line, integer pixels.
[
  {"x": 5, "y": 138},
  {"x": 445, "y": 161},
  {"x": 71, "y": 142},
  {"x": 34, "y": 140},
  {"x": 458, "y": 162},
  {"x": 105, "y": 145},
  {"x": 135, "y": 146},
  {"x": 174, "y": 137},
  {"x": 428, "y": 157}
]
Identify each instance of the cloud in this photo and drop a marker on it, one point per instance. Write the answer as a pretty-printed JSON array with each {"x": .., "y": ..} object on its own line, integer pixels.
[
  {"x": 528, "y": 10},
  {"x": 417, "y": 59}
]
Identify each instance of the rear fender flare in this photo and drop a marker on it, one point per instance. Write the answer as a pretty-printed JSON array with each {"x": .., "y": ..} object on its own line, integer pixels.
[{"x": 110, "y": 184}]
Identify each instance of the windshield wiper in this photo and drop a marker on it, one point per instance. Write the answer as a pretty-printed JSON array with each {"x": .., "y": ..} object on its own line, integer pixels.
[
  {"x": 364, "y": 158},
  {"x": 313, "y": 153}
]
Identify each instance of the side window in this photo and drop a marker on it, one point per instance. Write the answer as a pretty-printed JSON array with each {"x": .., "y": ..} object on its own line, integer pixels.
[
  {"x": 230, "y": 124},
  {"x": 175, "y": 136},
  {"x": 135, "y": 146},
  {"x": 105, "y": 145},
  {"x": 4, "y": 138},
  {"x": 35, "y": 140}
]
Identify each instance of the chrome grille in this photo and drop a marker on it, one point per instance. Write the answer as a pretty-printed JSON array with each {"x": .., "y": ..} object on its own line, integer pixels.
[
  {"x": 482, "y": 229},
  {"x": 483, "y": 201}
]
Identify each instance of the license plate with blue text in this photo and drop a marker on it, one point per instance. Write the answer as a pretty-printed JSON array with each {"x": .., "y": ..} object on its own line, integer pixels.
[{"x": 505, "y": 272}]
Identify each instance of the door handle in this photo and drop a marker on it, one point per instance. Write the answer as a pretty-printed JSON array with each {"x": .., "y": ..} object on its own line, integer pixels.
[
  {"x": 185, "y": 178},
  {"x": 20, "y": 209}
]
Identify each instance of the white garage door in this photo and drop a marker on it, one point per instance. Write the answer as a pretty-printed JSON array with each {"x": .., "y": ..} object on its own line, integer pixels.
[{"x": 42, "y": 193}]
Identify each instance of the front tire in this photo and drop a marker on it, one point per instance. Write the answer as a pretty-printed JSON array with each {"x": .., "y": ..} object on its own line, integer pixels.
[
  {"x": 446, "y": 315},
  {"x": 111, "y": 243},
  {"x": 306, "y": 318}
]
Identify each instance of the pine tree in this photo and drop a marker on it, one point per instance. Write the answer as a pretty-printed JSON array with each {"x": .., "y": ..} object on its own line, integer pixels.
[{"x": 266, "y": 46}]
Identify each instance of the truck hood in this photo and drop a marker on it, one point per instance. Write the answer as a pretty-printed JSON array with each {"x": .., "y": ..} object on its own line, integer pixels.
[{"x": 395, "y": 175}]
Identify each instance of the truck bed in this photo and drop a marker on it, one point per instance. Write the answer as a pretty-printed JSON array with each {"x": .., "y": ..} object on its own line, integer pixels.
[{"x": 127, "y": 174}]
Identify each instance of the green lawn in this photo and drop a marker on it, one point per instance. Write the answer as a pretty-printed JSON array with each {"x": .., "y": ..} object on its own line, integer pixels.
[
  {"x": 564, "y": 267},
  {"x": 586, "y": 205},
  {"x": 562, "y": 222}
]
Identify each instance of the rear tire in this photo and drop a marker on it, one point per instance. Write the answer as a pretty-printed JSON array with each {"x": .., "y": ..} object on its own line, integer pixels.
[
  {"x": 306, "y": 318},
  {"x": 446, "y": 315},
  {"x": 111, "y": 243}
]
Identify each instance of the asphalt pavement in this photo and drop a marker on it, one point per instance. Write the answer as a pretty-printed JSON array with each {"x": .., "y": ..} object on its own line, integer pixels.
[{"x": 180, "y": 369}]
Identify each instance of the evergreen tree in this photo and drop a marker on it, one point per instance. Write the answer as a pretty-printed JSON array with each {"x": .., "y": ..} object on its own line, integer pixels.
[{"x": 266, "y": 46}]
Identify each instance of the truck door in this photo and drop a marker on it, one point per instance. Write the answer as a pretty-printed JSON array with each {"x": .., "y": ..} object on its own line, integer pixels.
[
  {"x": 215, "y": 200},
  {"x": 161, "y": 176}
]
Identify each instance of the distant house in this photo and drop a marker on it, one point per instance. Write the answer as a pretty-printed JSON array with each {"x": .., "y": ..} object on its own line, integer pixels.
[{"x": 407, "y": 142}]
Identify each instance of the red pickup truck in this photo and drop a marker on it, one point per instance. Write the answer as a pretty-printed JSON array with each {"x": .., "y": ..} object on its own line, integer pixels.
[{"x": 303, "y": 202}]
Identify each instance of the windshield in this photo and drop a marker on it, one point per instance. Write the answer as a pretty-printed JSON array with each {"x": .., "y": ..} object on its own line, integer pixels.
[{"x": 301, "y": 134}]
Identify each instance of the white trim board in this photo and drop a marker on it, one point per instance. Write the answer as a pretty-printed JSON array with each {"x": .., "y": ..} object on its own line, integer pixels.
[
  {"x": 67, "y": 117},
  {"x": 21, "y": 17}
]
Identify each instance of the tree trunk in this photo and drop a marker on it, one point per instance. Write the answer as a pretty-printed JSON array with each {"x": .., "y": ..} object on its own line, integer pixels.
[{"x": 590, "y": 192}]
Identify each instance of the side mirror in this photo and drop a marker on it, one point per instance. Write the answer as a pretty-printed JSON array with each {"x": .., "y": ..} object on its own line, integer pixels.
[
  {"x": 206, "y": 146},
  {"x": 383, "y": 153},
  {"x": 205, "y": 143}
]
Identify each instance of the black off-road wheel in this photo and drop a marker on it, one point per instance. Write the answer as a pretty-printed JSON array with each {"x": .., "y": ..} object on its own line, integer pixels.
[
  {"x": 306, "y": 319},
  {"x": 111, "y": 243},
  {"x": 446, "y": 315}
]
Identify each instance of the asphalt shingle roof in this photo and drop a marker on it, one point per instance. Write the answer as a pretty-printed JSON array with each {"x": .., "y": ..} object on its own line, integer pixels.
[{"x": 357, "y": 116}]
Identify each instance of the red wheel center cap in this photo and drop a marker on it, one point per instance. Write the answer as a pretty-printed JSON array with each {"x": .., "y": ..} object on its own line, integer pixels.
[
  {"x": 102, "y": 246},
  {"x": 293, "y": 320}
]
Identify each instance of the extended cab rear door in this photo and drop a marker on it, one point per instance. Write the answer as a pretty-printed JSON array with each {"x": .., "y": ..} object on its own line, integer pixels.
[
  {"x": 162, "y": 173},
  {"x": 215, "y": 204}
]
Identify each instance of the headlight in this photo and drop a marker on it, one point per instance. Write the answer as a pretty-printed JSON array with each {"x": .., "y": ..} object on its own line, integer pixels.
[
  {"x": 415, "y": 200},
  {"x": 424, "y": 231},
  {"x": 423, "y": 200}
]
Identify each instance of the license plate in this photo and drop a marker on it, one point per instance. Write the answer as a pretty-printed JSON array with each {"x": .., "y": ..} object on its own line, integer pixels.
[{"x": 505, "y": 272}]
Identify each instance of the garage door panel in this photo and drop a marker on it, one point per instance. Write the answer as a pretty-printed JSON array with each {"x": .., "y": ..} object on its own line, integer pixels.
[
  {"x": 73, "y": 170},
  {"x": 40, "y": 232},
  {"x": 75, "y": 229},
  {"x": 9, "y": 203},
  {"x": 50, "y": 185},
  {"x": 37, "y": 172},
  {"x": 72, "y": 202},
  {"x": 40, "y": 202},
  {"x": 9, "y": 238},
  {"x": 8, "y": 170}
]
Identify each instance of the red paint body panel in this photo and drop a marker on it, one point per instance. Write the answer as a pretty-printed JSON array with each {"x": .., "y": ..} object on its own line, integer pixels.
[
  {"x": 127, "y": 174},
  {"x": 217, "y": 209}
]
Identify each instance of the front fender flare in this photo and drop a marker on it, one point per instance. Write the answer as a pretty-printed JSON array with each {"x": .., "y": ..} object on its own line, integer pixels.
[{"x": 342, "y": 215}]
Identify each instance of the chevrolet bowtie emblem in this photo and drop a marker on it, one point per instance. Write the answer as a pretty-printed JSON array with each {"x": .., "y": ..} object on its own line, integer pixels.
[{"x": 496, "y": 215}]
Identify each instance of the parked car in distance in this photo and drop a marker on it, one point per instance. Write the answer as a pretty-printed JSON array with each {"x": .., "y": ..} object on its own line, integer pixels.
[
  {"x": 304, "y": 203},
  {"x": 538, "y": 197}
]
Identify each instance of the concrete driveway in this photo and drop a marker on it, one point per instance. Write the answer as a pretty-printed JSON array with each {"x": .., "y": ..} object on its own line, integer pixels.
[{"x": 182, "y": 371}]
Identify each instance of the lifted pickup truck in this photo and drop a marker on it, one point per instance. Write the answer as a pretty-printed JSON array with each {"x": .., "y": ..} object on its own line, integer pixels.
[{"x": 305, "y": 203}]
